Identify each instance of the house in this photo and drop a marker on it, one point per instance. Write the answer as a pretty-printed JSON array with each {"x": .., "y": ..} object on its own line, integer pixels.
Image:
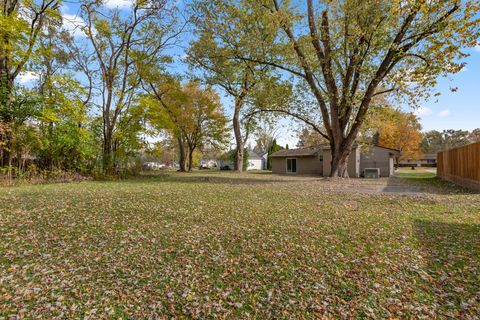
[
  {"x": 426, "y": 160},
  {"x": 257, "y": 161},
  {"x": 317, "y": 161},
  {"x": 264, "y": 156}
]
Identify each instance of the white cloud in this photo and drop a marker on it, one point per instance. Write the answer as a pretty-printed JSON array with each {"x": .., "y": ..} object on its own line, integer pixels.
[
  {"x": 423, "y": 111},
  {"x": 27, "y": 76},
  {"x": 121, "y": 4},
  {"x": 477, "y": 47},
  {"x": 73, "y": 24},
  {"x": 444, "y": 113}
]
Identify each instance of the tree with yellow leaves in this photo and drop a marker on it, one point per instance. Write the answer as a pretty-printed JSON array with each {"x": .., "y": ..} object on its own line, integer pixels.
[{"x": 394, "y": 128}]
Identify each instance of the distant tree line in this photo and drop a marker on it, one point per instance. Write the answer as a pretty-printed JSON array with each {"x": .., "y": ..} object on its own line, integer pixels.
[{"x": 434, "y": 141}]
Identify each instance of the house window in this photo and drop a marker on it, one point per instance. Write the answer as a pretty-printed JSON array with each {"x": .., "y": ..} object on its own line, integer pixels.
[
  {"x": 291, "y": 165},
  {"x": 321, "y": 157}
]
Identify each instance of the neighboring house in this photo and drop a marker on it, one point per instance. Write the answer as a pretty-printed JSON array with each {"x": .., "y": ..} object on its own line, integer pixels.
[
  {"x": 257, "y": 161},
  {"x": 264, "y": 155},
  {"x": 317, "y": 161},
  {"x": 426, "y": 160}
]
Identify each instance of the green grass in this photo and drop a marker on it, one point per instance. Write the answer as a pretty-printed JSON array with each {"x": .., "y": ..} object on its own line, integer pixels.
[
  {"x": 224, "y": 245},
  {"x": 427, "y": 177},
  {"x": 418, "y": 173}
]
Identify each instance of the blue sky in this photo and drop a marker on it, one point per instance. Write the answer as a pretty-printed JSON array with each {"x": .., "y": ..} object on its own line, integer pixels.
[
  {"x": 455, "y": 110},
  {"x": 451, "y": 110}
]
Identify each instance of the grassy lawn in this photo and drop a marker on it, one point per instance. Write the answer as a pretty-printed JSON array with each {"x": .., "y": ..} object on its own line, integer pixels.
[
  {"x": 419, "y": 173},
  {"x": 427, "y": 178},
  {"x": 224, "y": 245}
]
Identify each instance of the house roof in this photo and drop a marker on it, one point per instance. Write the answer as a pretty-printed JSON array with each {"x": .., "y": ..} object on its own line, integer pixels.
[
  {"x": 312, "y": 151},
  {"x": 302, "y": 152},
  {"x": 327, "y": 147},
  {"x": 252, "y": 155}
]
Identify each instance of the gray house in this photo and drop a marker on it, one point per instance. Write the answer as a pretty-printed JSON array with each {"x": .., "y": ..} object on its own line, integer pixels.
[{"x": 317, "y": 161}]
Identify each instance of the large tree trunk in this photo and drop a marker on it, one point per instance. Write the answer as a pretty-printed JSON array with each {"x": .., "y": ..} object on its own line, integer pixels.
[
  {"x": 339, "y": 164},
  {"x": 107, "y": 156},
  {"x": 238, "y": 165},
  {"x": 190, "y": 158},
  {"x": 339, "y": 167},
  {"x": 181, "y": 151},
  {"x": 6, "y": 90}
]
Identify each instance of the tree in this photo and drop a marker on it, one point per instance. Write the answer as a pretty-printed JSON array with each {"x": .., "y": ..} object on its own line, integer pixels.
[
  {"x": 273, "y": 148},
  {"x": 163, "y": 104},
  {"x": 455, "y": 138},
  {"x": 64, "y": 126},
  {"x": 238, "y": 79},
  {"x": 251, "y": 85},
  {"x": 393, "y": 128},
  {"x": 475, "y": 135},
  {"x": 164, "y": 151},
  {"x": 16, "y": 130},
  {"x": 265, "y": 135},
  {"x": 124, "y": 43},
  {"x": 194, "y": 116},
  {"x": 203, "y": 121},
  {"x": 22, "y": 27},
  {"x": 435, "y": 141},
  {"x": 348, "y": 52},
  {"x": 308, "y": 137},
  {"x": 432, "y": 141},
  {"x": 63, "y": 120},
  {"x": 232, "y": 156}
]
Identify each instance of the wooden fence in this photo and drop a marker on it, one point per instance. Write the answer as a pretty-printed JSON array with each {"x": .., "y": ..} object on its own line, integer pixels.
[{"x": 460, "y": 165}]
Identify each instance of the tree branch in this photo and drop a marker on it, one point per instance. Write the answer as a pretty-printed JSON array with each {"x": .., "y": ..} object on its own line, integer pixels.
[{"x": 294, "y": 115}]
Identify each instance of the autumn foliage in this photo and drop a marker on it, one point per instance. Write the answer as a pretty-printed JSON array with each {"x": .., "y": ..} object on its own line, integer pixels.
[{"x": 393, "y": 128}]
